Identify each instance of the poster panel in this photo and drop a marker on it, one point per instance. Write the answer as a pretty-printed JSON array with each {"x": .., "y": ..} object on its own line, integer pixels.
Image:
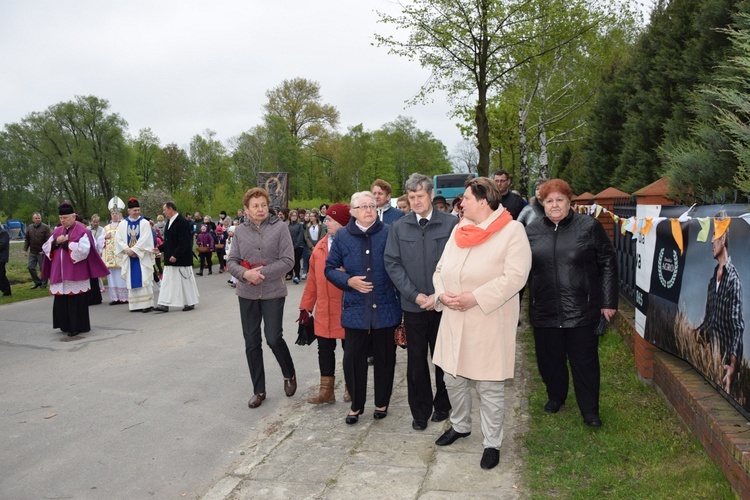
[
  {"x": 690, "y": 300},
  {"x": 277, "y": 185}
]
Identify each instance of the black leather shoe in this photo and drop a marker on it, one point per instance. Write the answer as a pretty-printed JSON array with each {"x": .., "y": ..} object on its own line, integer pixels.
[
  {"x": 256, "y": 400},
  {"x": 36, "y": 285},
  {"x": 147, "y": 310},
  {"x": 188, "y": 308},
  {"x": 552, "y": 406},
  {"x": 490, "y": 458},
  {"x": 380, "y": 414},
  {"x": 290, "y": 386},
  {"x": 439, "y": 416},
  {"x": 418, "y": 425},
  {"x": 592, "y": 420},
  {"x": 450, "y": 436},
  {"x": 163, "y": 309},
  {"x": 353, "y": 419}
]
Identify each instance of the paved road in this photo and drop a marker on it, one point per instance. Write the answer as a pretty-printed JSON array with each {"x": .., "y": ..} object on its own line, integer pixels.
[
  {"x": 155, "y": 405},
  {"x": 144, "y": 405}
]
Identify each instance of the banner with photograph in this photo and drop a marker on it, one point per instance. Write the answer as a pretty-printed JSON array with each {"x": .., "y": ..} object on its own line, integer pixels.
[
  {"x": 277, "y": 185},
  {"x": 691, "y": 265}
]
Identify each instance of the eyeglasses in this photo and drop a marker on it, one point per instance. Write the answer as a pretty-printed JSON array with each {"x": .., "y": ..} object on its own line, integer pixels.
[{"x": 366, "y": 207}]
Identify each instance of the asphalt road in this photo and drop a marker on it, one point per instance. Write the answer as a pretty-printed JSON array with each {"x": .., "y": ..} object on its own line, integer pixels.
[{"x": 144, "y": 405}]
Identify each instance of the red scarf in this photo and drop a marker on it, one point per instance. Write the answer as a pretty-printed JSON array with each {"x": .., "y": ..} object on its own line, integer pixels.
[{"x": 471, "y": 235}]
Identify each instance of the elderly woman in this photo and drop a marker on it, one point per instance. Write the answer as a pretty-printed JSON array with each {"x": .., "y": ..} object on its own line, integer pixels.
[
  {"x": 573, "y": 283},
  {"x": 370, "y": 306},
  {"x": 260, "y": 256},
  {"x": 325, "y": 298},
  {"x": 484, "y": 265}
]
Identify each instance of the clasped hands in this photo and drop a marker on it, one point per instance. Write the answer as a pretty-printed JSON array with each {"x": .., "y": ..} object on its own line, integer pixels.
[
  {"x": 254, "y": 276},
  {"x": 458, "y": 302}
]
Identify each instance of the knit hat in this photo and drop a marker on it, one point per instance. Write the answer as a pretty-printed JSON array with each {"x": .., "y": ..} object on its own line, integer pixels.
[
  {"x": 219, "y": 228},
  {"x": 65, "y": 209},
  {"x": 340, "y": 213},
  {"x": 133, "y": 203},
  {"x": 231, "y": 229}
]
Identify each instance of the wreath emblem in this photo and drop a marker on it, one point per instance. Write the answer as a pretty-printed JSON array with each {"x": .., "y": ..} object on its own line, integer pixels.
[{"x": 664, "y": 282}]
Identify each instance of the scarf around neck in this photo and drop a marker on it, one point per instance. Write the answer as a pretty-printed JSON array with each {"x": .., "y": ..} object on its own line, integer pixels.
[{"x": 471, "y": 235}]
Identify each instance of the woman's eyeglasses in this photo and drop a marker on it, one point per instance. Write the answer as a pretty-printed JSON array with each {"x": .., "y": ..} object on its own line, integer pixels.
[{"x": 366, "y": 207}]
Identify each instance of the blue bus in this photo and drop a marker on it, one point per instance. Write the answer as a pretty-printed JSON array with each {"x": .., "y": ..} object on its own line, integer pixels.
[{"x": 450, "y": 185}]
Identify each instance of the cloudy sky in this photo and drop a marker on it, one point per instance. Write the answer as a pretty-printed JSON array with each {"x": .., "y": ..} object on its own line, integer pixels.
[{"x": 181, "y": 67}]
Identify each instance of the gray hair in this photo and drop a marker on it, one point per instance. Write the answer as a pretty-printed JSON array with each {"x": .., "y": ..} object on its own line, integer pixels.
[
  {"x": 361, "y": 194},
  {"x": 417, "y": 181}
]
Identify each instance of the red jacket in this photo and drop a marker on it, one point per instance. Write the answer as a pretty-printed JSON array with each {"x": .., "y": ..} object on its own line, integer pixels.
[{"x": 322, "y": 295}]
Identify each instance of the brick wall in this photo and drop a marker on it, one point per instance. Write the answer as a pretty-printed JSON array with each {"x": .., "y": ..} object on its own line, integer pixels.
[{"x": 723, "y": 432}]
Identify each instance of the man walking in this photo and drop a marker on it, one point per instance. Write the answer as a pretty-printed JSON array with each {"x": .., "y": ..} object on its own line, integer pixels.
[
  {"x": 509, "y": 200},
  {"x": 36, "y": 235},
  {"x": 178, "y": 287},
  {"x": 134, "y": 245},
  {"x": 415, "y": 244}
]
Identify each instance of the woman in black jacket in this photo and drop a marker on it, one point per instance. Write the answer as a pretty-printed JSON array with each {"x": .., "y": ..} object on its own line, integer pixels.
[{"x": 573, "y": 283}]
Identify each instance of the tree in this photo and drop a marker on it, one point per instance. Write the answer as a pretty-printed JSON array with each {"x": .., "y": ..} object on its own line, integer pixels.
[
  {"x": 171, "y": 168},
  {"x": 465, "y": 157},
  {"x": 210, "y": 166},
  {"x": 299, "y": 103},
  {"x": 81, "y": 147},
  {"x": 146, "y": 147},
  {"x": 731, "y": 93},
  {"x": 471, "y": 48}
]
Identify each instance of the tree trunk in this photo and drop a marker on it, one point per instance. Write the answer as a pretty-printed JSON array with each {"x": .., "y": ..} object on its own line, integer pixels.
[
  {"x": 543, "y": 154},
  {"x": 483, "y": 138}
]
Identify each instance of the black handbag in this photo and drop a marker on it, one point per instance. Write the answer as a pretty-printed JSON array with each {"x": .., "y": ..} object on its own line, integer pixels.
[
  {"x": 601, "y": 327},
  {"x": 306, "y": 331}
]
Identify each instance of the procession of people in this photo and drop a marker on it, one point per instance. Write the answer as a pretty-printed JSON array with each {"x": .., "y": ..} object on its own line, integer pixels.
[{"x": 450, "y": 281}]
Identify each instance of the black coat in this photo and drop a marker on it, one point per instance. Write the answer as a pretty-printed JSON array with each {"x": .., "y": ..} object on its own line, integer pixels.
[
  {"x": 573, "y": 272},
  {"x": 178, "y": 242}
]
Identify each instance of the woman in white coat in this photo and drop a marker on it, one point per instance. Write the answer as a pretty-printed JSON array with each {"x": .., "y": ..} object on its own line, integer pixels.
[{"x": 484, "y": 265}]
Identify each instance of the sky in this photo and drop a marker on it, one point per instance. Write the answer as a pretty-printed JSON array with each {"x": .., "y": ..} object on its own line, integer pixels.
[{"x": 182, "y": 67}]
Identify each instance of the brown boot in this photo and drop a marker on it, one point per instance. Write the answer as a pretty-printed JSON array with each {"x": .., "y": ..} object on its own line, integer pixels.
[
  {"x": 347, "y": 396},
  {"x": 326, "y": 392}
]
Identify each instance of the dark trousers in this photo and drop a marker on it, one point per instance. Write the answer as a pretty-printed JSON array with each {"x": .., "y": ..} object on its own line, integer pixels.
[
  {"x": 271, "y": 312},
  {"x": 4, "y": 283},
  {"x": 220, "y": 256},
  {"x": 297, "y": 258},
  {"x": 554, "y": 348},
  {"x": 206, "y": 260},
  {"x": 421, "y": 335},
  {"x": 355, "y": 365},
  {"x": 35, "y": 260},
  {"x": 327, "y": 356}
]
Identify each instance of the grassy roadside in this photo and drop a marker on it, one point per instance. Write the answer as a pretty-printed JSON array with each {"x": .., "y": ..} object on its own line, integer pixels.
[
  {"x": 18, "y": 275},
  {"x": 641, "y": 451}
]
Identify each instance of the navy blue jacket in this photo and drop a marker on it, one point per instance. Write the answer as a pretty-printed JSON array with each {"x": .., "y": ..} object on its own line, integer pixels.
[{"x": 361, "y": 254}]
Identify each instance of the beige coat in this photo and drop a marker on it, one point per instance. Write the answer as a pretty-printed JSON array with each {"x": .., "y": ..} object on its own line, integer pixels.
[{"x": 480, "y": 344}]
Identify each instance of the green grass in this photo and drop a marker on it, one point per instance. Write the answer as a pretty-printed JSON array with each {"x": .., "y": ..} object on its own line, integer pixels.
[
  {"x": 641, "y": 451},
  {"x": 18, "y": 275}
]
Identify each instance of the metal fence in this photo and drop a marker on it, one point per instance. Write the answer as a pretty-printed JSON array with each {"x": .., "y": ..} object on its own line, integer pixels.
[{"x": 625, "y": 246}]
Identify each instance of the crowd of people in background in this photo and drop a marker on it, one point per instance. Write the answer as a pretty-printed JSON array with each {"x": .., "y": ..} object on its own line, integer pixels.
[{"x": 449, "y": 272}]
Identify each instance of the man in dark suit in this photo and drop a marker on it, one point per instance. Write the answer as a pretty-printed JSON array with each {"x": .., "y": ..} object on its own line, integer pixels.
[
  {"x": 415, "y": 244},
  {"x": 178, "y": 287}
]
